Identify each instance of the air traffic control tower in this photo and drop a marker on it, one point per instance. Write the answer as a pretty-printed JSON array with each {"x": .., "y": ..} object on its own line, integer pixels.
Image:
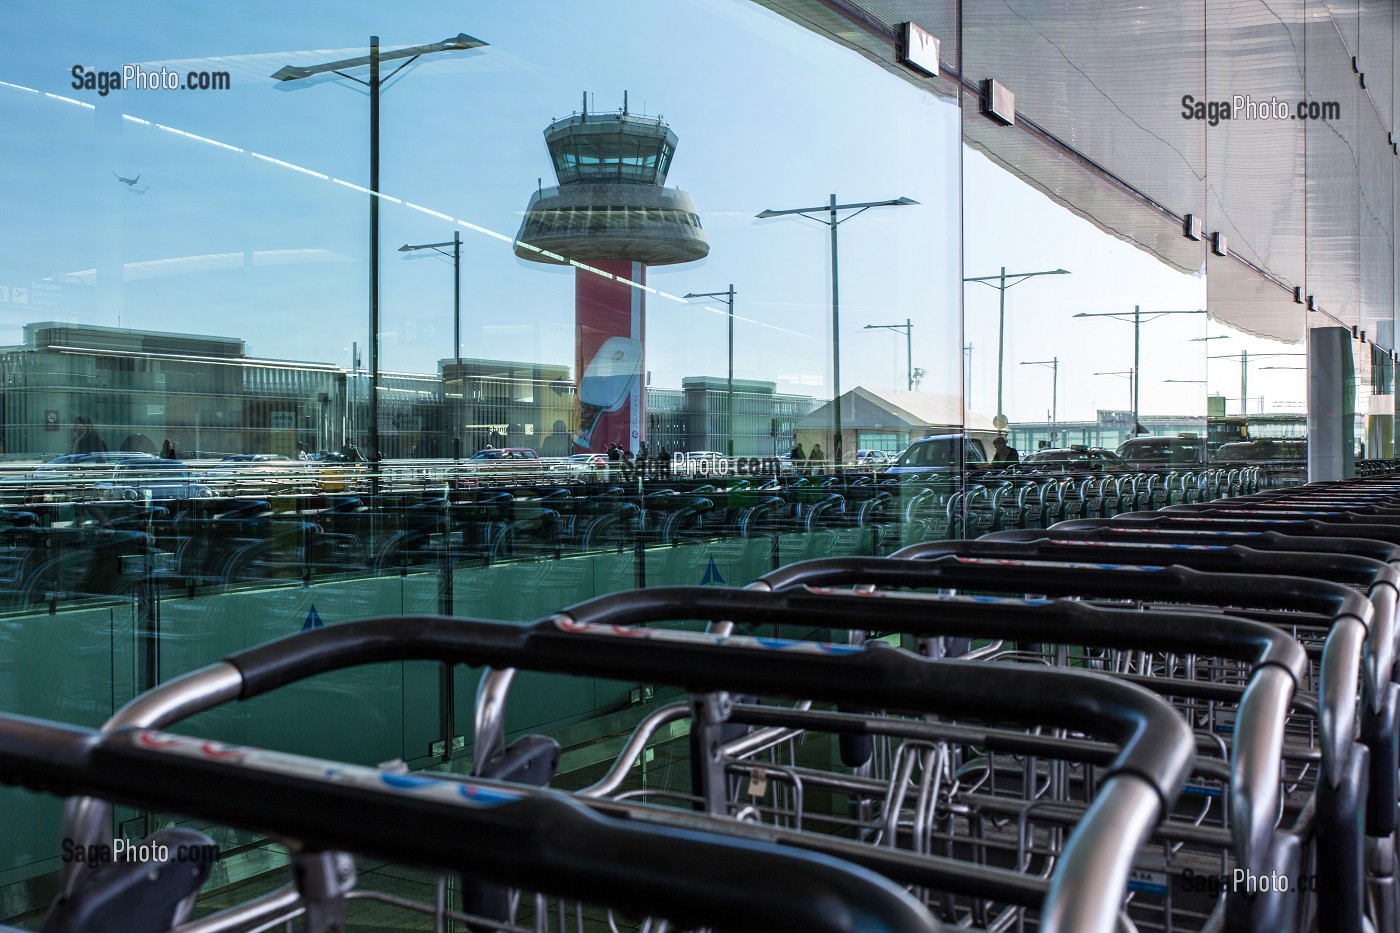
[{"x": 612, "y": 213}]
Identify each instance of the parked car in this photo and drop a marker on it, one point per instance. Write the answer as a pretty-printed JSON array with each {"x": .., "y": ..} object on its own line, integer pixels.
[
  {"x": 873, "y": 457},
  {"x": 505, "y": 453},
  {"x": 1161, "y": 453},
  {"x": 1261, "y": 449},
  {"x": 1075, "y": 458},
  {"x": 941, "y": 453},
  {"x": 256, "y": 458},
  {"x": 580, "y": 464},
  {"x": 152, "y": 478}
]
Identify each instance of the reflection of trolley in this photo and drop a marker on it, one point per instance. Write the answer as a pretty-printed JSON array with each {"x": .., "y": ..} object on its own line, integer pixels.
[{"x": 1140, "y": 753}]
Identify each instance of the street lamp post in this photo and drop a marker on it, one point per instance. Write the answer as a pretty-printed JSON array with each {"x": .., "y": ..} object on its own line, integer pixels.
[
  {"x": 908, "y": 328},
  {"x": 1054, "y": 365},
  {"x": 727, "y": 297},
  {"x": 1132, "y": 387},
  {"x": 456, "y": 257},
  {"x": 1243, "y": 357},
  {"x": 832, "y": 209},
  {"x": 999, "y": 282},
  {"x": 460, "y": 42},
  {"x": 1137, "y": 322}
]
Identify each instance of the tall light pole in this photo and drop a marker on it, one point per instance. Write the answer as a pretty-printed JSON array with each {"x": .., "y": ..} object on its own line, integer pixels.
[
  {"x": 1137, "y": 321},
  {"x": 1054, "y": 365},
  {"x": 908, "y": 328},
  {"x": 727, "y": 297},
  {"x": 832, "y": 210},
  {"x": 459, "y": 42},
  {"x": 456, "y": 257},
  {"x": 1001, "y": 284},
  {"x": 1132, "y": 387},
  {"x": 1243, "y": 357}
]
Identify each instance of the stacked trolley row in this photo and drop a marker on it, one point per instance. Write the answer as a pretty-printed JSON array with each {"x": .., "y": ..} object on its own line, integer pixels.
[{"x": 1173, "y": 721}]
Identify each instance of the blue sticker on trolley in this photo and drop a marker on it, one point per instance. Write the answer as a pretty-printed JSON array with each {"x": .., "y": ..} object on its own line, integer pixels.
[
  {"x": 565, "y": 624},
  {"x": 443, "y": 789},
  {"x": 1147, "y": 881},
  {"x": 405, "y": 781},
  {"x": 1051, "y": 563},
  {"x": 1204, "y": 787}
]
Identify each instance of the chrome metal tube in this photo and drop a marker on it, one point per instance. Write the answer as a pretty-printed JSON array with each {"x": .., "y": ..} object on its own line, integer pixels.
[
  {"x": 491, "y": 694},
  {"x": 1090, "y": 880},
  {"x": 636, "y": 744},
  {"x": 1254, "y": 785}
]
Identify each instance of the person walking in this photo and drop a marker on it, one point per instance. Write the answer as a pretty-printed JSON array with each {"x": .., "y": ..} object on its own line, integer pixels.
[
  {"x": 167, "y": 450},
  {"x": 1004, "y": 452},
  {"x": 816, "y": 459},
  {"x": 86, "y": 440}
]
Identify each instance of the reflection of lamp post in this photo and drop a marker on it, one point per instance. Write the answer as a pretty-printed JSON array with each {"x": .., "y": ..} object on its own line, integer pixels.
[
  {"x": 1054, "y": 365},
  {"x": 1001, "y": 285},
  {"x": 832, "y": 221},
  {"x": 1132, "y": 386},
  {"x": 1243, "y": 357},
  {"x": 908, "y": 328},
  {"x": 728, "y": 298},
  {"x": 460, "y": 42},
  {"x": 1137, "y": 322},
  {"x": 456, "y": 256}
]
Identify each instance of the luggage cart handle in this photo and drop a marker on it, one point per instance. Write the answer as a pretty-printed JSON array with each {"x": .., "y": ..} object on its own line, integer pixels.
[
  {"x": 962, "y": 565},
  {"x": 1236, "y": 560},
  {"x": 1157, "y": 749},
  {"x": 540, "y": 840},
  {"x": 1155, "y": 742},
  {"x": 1238, "y": 639}
]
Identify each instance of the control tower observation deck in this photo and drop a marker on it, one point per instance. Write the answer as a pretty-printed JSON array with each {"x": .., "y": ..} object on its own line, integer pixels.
[{"x": 612, "y": 211}]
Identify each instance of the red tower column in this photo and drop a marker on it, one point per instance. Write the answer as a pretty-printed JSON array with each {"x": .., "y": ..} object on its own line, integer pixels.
[{"x": 609, "y": 356}]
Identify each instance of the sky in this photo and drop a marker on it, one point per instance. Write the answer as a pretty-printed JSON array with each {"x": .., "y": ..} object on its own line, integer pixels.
[{"x": 249, "y": 217}]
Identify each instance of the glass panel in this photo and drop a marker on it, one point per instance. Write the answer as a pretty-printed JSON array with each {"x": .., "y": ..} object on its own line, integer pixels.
[{"x": 553, "y": 393}]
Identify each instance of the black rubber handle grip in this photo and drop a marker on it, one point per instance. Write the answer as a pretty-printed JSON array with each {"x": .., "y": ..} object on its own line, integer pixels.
[
  {"x": 1105, "y": 530},
  {"x": 1298, "y": 526},
  {"x": 1058, "y": 621},
  {"x": 541, "y": 840},
  {"x": 1155, "y": 741},
  {"x": 1336, "y": 567},
  {"x": 1176, "y": 583}
]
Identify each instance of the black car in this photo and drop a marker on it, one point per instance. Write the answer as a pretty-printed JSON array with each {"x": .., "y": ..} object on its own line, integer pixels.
[
  {"x": 1163, "y": 453},
  {"x": 1074, "y": 459},
  {"x": 1262, "y": 450}
]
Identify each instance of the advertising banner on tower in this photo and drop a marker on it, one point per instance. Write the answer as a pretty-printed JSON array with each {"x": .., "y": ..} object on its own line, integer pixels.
[{"x": 609, "y": 337}]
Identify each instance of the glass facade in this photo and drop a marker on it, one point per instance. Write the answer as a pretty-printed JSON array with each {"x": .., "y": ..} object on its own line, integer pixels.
[{"x": 686, "y": 292}]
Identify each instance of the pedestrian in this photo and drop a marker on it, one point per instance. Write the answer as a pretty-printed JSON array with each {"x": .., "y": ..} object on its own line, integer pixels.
[
  {"x": 167, "y": 450},
  {"x": 1004, "y": 452},
  {"x": 643, "y": 458},
  {"x": 665, "y": 457},
  {"x": 86, "y": 440},
  {"x": 816, "y": 458}
]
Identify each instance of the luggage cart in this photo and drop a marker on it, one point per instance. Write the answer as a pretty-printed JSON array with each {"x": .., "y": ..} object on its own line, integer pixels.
[
  {"x": 1329, "y": 617},
  {"x": 510, "y": 835},
  {"x": 1190, "y": 660},
  {"x": 1142, "y": 753}
]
